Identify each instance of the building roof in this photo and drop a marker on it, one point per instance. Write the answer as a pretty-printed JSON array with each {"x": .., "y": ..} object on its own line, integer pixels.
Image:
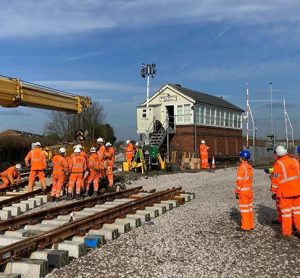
[
  {"x": 205, "y": 98},
  {"x": 18, "y": 133}
]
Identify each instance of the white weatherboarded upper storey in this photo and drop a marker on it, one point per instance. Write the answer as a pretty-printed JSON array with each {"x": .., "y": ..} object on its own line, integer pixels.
[{"x": 183, "y": 106}]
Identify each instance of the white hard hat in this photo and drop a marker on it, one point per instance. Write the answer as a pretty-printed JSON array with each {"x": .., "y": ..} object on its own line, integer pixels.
[
  {"x": 108, "y": 144},
  {"x": 202, "y": 142},
  {"x": 92, "y": 150},
  {"x": 100, "y": 140},
  {"x": 127, "y": 141},
  {"x": 137, "y": 143},
  {"x": 281, "y": 151},
  {"x": 18, "y": 166},
  {"x": 77, "y": 150},
  {"x": 79, "y": 146},
  {"x": 74, "y": 147},
  {"x": 62, "y": 150},
  {"x": 37, "y": 144}
]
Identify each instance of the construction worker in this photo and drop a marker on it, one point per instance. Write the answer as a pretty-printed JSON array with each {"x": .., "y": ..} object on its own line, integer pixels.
[
  {"x": 94, "y": 169},
  {"x": 37, "y": 161},
  {"x": 129, "y": 150},
  {"x": 298, "y": 151},
  {"x": 10, "y": 175},
  {"x": 100, "y": 154},
  {"x": 109, "y": 156},
  {"x": 77, "y": 168},
  {"x": 286, "y": 188},
  {"x": 203, "y": 149},
  {"x": 60, "y": 170},
  {"x": 244, "y": 192},
  {"x": 48, "y": 153}
]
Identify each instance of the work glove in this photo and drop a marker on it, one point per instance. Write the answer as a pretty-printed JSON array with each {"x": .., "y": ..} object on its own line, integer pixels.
[
  {"x": 274, "y": 197},
  {"x": 237, "y": 196}
]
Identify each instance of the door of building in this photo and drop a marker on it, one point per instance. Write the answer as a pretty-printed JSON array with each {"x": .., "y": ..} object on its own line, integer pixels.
[{"x": 171, "y": 116}]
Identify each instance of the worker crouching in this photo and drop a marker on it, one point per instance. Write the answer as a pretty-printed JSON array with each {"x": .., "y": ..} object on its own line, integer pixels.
[
  {"x": 36, "y": 159},
  {"x": 244, "y": 192},
  {"x": 286, "y": 188},
  {"x": 109, "y": 160},
  {"x": 94, "y": 171},
  {"x": 60, "y": 169},
  {"x": 77, "y": 168},
  {"x": 11, "y": 176}
]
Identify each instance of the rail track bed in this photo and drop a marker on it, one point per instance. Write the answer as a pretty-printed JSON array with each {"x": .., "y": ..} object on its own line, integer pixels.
[{"x": 78, "y": 226}]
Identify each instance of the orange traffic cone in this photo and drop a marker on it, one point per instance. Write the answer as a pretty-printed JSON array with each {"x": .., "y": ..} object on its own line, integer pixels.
[{"x": 213, "y": 163}]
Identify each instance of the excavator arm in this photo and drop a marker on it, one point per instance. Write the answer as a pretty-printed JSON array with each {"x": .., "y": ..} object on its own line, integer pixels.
[{"x": 15, "y": 92}]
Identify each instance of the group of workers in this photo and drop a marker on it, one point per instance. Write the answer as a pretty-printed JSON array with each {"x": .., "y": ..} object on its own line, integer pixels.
[
  {"x": 75, "y": 172},
  {"x": 285, "y": 188}
]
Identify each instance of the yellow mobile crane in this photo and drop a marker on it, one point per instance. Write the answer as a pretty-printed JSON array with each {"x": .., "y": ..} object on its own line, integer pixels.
[{"x": 15, "y": 92}]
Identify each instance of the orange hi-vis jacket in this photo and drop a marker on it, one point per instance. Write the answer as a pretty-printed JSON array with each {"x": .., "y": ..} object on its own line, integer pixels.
[
  {"x": 37, "y": 159},
  {"x": 101, "y": 154},
  {"x": 129, "y": 149},
  {"x": 203, "y": 148},
  {"x": 244, "y": 178},
  {"x": 77, "y": 164},
  {"x": 110, "y": 156},
  {"x": 11, "y": 173},
  {"x": 60, "y": 165},
  {"x": 286, "y": 177},
  {"x": 94, "y": 163}
]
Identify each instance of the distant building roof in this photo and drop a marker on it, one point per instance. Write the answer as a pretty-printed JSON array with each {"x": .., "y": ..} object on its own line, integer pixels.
[
  {"x": 205, "y": 98},
  {"x": 18, "y": 133}
]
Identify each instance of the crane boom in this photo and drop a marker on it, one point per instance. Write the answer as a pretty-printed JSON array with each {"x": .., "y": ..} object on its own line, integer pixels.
[{"x": 15, "y": 92}]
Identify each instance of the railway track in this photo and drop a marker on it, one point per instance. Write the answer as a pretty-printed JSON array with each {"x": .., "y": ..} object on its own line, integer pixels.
[{"x": 128, "y": 206}]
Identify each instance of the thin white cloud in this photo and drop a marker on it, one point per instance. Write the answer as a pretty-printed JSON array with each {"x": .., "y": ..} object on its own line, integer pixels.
[
  {"x": 54, "y": 17},
  {"x": 86, "y": 85}
]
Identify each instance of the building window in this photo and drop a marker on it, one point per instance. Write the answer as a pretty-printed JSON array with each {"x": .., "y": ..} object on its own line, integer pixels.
[
  {"x": 207, "y": 116},
  {"x": 201, "y": 115},
  {"x": 213, "y": 117},
  {"x": 144, "y": 113},
  {"x": 218, "y": 117},
  {"x": 187, "y": 113},
  {"x": 179, "y": 113},
  {"x": 224, "y": 119}
]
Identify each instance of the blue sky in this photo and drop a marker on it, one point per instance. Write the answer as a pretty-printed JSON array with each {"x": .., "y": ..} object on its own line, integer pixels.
[{"x": 96, "y": 48}]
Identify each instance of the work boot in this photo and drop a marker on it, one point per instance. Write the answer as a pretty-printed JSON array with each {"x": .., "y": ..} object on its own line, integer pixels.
[
  {"x": 57, "y": 199},
  {"x": 52, "y": 198},
  {"x": 77, "y": 196},
  {"x": 239, "y": 229},
  {"x": 95, "y": 194},
  {"x": 284, "y": 237},
  {"x": 69, "y": 196}
]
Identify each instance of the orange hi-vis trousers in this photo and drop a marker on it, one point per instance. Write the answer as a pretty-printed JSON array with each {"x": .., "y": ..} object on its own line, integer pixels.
[
  {"x": 246, "y": 210},
  {"x": 57, "y": 184},
  {"x": 110, "y": 176},
  {"x": 76, "y": 179},
  {"x": 290, "y": 210},
  {"x": 204, "y": 160},
  {"x": 279, "y": 218},
  {"x": 32, "y": 176},
  {"x": 94, "y": 178}
]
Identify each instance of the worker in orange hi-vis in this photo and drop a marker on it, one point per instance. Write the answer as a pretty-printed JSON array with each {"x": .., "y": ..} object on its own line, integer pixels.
[
  {"x": 77, "y": 168},
  {"x": 203, "y": 149},
  {"x": 286, "y": 187},
  {"x": 93, "y": 168},
  {"x": 100, "y": 154},
  {"x": 109, "y": 161},
  {"x": 37, "y": 161},
  {"x": 244, "y": 192},
  {"x": 11, "y": 176},
  {"x": 60, "y": 169},
  {"x": 129, "y": 150}
]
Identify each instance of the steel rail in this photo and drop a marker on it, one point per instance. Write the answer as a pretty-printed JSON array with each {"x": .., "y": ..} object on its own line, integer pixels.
[
  {"x": 15, "y": 250},
  {"x": 36, "y": 217}
]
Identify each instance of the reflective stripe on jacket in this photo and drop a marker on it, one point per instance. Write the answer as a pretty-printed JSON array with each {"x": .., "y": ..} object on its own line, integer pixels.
[
  {"x": 60, "y": 164},
  {"x": 77, "y": 164}
]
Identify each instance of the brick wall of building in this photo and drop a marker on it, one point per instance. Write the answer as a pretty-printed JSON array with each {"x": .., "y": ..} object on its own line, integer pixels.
[{"x": 222, "y": 141}]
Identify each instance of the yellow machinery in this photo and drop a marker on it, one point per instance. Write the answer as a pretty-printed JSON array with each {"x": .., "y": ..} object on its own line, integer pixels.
[{"x": 15, "y": 92}]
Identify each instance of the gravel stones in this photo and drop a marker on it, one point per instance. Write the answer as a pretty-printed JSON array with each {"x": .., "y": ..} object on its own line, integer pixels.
[{"x": 199, "y": 238}]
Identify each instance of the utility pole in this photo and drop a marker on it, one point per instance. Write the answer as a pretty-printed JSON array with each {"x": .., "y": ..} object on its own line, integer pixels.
[
  {"x": 271, "y": 107},
  {"x": 287, "y": 125},
  {"x": 248, "y": 116}
]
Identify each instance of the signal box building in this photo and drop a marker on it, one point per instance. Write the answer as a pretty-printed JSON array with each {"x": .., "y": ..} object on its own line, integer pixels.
[{"x": 180, "y": 118}]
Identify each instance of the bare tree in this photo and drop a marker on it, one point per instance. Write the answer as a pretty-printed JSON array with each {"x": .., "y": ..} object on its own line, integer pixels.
[{"x": 65, "y": 125}]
